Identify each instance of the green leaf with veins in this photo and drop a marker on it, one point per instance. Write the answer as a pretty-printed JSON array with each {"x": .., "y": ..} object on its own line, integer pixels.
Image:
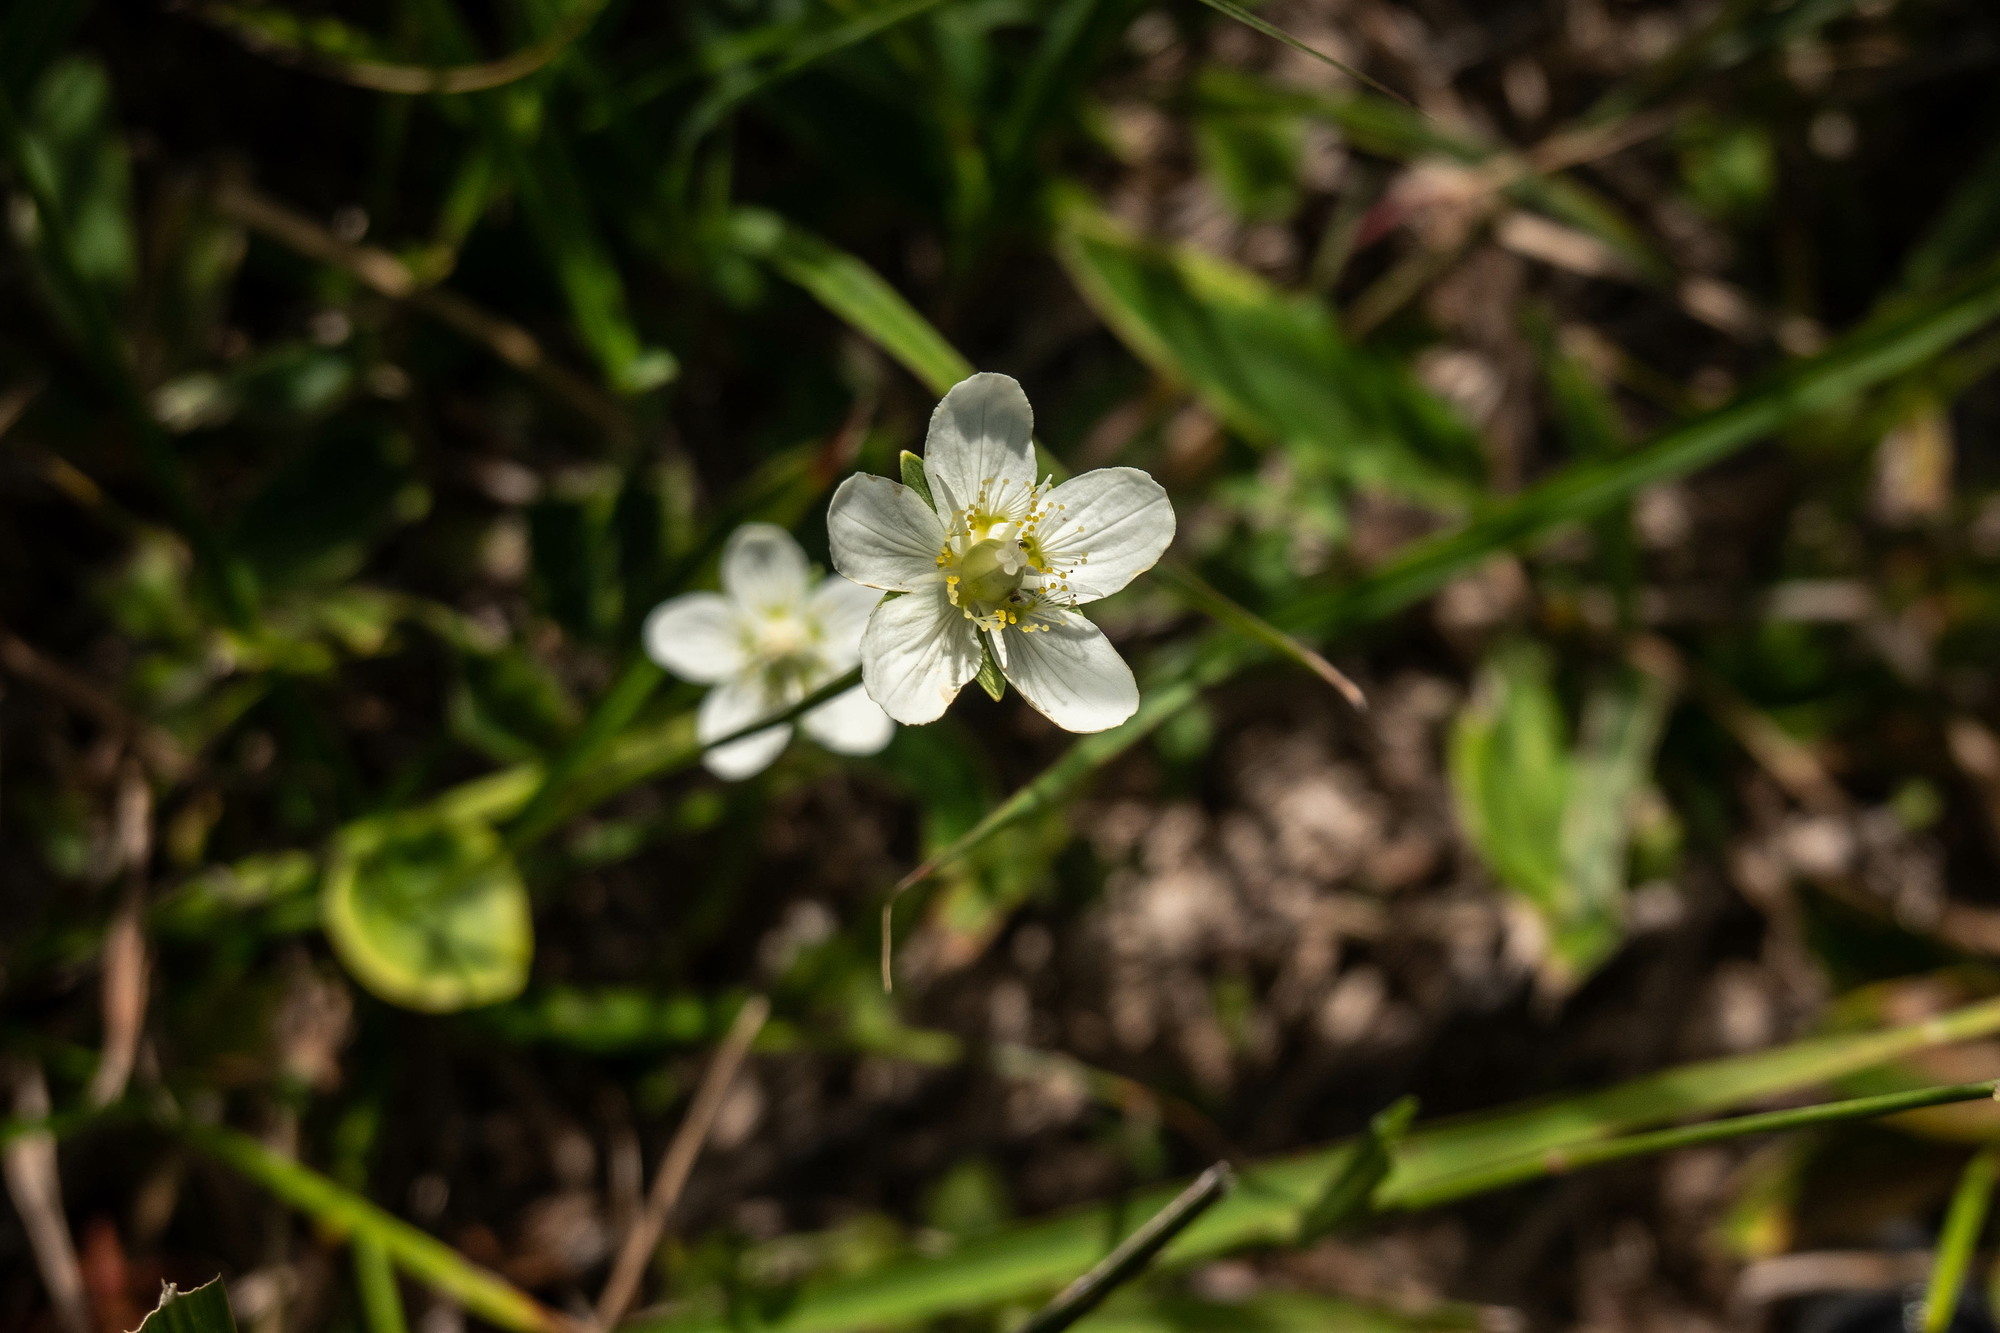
[{"x": 429, "y": 914}]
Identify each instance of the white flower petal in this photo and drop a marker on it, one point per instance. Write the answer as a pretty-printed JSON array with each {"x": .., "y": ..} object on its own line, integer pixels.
[
  {"x": 917, "y": 654},
  {"x": 729, "y": 707},
  {"x": 981, "y": 432},
  {"x": 883, "y": 534},
  {"x": 764, "y": 569},
  {"x": 850, "y": 723},
  {"x": 1119, "y": 517},
  {"x": 698, "y": 636},
  {"x": 1071, "y": 673},
  {"x": 839, "y": 611}
]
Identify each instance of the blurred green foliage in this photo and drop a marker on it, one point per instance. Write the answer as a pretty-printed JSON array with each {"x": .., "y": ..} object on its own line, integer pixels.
[{"x": 375, "y": 369}]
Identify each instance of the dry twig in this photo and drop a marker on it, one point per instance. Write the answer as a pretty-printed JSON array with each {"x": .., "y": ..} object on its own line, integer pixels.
[
  {"x": 154, "y": 745},
  {"x": 640, "y": 1241},
  {"x": 391, "y": 277},
  {"x": 29, "y": 1161},
  {"x": 124, "y": 964}
]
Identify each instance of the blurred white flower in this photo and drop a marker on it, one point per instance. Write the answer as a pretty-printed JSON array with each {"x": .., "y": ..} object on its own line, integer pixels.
[
  {"x": 1001, "y": 555},
  {"x": 767, "y": 640}
]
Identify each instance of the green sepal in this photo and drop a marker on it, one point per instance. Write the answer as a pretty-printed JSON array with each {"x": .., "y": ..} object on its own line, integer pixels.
[
  {"x": 914, "y": 478},
  {"x": 990, "y": 678}
]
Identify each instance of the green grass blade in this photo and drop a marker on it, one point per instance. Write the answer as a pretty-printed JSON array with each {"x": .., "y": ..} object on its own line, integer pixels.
[
  {"x": 1863, "y": 360},
  {"x": 1558, "y": 1161},
  {"x": 800, "y": 52},
  {"x": 614, "y": 712},
  {"x": 381, "y": 1303},
  {"x": 1266, "y": 1206},
  {"x": 422, "y": 1256},
  {"x": 856, "y": 293},
  {"x": 1271, "y": 30},
  {"x": 1688, "y": 1090},
  {"x": 1963, "y": 1222}
]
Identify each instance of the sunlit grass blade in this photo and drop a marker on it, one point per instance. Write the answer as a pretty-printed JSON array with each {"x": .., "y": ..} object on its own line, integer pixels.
[
  {"x": 1204, "y": 596},
  {"x": 856, "y": 293},
  {"x": 1560, "y": 1161},
  {"x": 1271, "y": 30},
  {"x": 381, "y": 1303},
  {"x": 614, "y": 712},
  {"x": 1266, "y": 1206},
  {"x": 422, "y": 1256},
  {"x": 1963, "y": 1221},
  {"x": 1863, "y": 360}
]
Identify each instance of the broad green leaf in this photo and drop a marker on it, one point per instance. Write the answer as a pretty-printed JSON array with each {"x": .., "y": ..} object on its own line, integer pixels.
[
  {"x": 1271, "y": 365},
  {"x": 430, "y": 914},
  {"x": 71, "y": 122},
  {"x": 1622, "y": 719},
  {"x": 203, "y": 1309},
  {"x": 1555, "y": 825},
  {"x": 604, "y": 1020},
  {"x": 1511, "y": 773}
]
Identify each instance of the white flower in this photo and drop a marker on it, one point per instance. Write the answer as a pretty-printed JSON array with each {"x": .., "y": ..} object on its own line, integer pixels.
[
  {"x": 766, "y": 641},
  {"x": 1000, "y": 555}
]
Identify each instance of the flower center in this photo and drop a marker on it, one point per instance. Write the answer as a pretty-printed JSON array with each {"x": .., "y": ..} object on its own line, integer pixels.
[
  {"x": 786, "y": 647},
  {"x": 985, "y": 562},
  {"x": 994, "y": 567}
]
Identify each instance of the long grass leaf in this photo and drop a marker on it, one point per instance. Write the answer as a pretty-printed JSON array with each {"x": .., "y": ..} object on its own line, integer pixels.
[
  {"x": 1559, "y": 1161},
  {"x": 1272, "y": 30},
  {"x": 1266, "y": 1206},
  {"x": 857, "y": 294},
  {"x": 424, "y": 1257},
  {"x": 1875, "y": 353},
  {"x": 1963, "y": 1221}
]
